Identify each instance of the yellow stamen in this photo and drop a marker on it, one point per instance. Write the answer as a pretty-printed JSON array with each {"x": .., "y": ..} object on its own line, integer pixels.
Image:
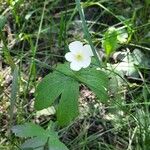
[{"x": 79, "y": 57}]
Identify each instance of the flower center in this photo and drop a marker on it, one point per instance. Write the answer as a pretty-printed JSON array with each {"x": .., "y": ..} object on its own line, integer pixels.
[{"x": 79, "y": 57}]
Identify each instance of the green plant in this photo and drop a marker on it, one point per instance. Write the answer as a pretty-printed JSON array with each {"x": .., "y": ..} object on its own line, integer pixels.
[
  {"x": 39, "y": 138},
  {"x": 65, "y": 82},
  {"x": 113, "y": 38},
  {"x": 40, "y": 34},
  {"x": 61, "y": 89}
]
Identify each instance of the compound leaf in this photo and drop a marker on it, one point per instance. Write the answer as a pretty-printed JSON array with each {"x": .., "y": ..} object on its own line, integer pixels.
[
  {"x": 68, "y": 106},
  {"x": 96, "y": 80},
  {"x": 49, "y": 89}
]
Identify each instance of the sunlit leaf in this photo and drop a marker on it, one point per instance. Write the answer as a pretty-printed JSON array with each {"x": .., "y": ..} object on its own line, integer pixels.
[
  {"x": 109, "y": 41},
  {"x": 65, "y": 83}
]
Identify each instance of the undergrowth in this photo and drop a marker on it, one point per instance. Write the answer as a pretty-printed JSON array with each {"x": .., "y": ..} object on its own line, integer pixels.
[{"x": 34, "y": 38}]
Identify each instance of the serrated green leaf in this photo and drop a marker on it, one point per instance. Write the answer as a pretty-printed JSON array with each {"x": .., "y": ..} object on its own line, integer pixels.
[
  {"x": 54, "y": 85},
  {"x": 49, "y": 89},
  {"x": 96, "y": 80},
  {"x": 109, "y": 41},
  {"x": 40, "y": 143},
  {"x": 65, "y": 69},
  {"x": 29, "y": 130},
  {"x": 65, "y": 83},
  {"x": 55, "y": 144},
  {"x": 68, "y": 106},
  {"x": 34, "y": 143}
]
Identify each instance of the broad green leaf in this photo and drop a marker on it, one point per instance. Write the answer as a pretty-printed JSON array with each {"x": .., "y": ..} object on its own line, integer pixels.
[
  {"x": 49, "y": 89},
  {"x": 29, "y": 130},
  {"x": 42, "y": 143},
  {"x": 65, "y": 69},
  {"x": 65, "y": 83},
  {"x": 54, "y": 85},
  {"x": 109, "y": 41},
  {"x": 34, "y": 143},
  {"x": 68, "y": 106},
  {"x": 96, "y": 80},
  {"x": 55, "y": 144}
]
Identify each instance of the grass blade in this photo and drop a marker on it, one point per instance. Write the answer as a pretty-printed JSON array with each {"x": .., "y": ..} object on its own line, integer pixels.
[
  {"x": 86, "y": 32},
  {"x": 14, "y": 91}
]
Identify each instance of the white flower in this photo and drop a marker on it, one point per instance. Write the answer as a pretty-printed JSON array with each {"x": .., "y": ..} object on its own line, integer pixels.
[{"x": 79, "y": 55}]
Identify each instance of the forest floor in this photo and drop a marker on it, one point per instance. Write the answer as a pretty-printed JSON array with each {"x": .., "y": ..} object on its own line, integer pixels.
[{"x": 34, "y": 36}]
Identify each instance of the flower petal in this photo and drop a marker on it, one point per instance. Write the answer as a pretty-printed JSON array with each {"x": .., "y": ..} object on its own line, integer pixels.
[
  {"x": 69, "y": 56},
  {"x": 75, "y": 66},
  {"x": 86, "y": 62},
  {"x": 75, "y": 46},
  {"x": 88, "y": 50}
]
